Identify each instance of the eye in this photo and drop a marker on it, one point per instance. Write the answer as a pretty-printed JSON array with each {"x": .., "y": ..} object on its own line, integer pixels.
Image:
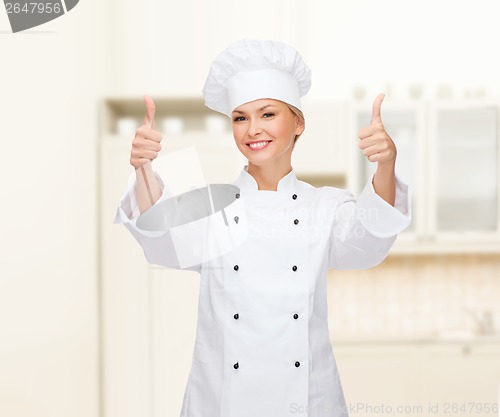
[
  {"x": 270, "y": 114},
  {"x": 236, "y": 119}
]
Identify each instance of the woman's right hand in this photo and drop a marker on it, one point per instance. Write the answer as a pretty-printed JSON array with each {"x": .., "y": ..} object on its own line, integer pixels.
[{"x": 146, "y": 143}]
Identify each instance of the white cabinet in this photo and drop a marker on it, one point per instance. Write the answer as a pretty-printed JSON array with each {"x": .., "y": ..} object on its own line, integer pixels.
[
  {"x": 377, "y": 375},
  {"x": 464, "y": 169},
  {"x": 462, "y": 378},
  {"x": 148, "y": 313},
  {"x": 124, "y": 292},
  {"x": 404, "y": 378},
  {"x": 448, "y": 153}
]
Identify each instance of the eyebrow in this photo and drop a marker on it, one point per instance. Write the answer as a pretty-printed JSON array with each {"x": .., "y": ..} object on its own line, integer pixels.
[{"x": 262, "y": 108}]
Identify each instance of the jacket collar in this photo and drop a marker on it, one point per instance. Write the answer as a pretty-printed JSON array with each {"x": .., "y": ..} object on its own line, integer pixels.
[{"x": 247, "y": 182}]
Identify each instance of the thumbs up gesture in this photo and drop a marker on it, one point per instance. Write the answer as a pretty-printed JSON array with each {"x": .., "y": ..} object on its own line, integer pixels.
[
  {"x": 376, "y": 144},
  {"x": 146, "y": 143}
]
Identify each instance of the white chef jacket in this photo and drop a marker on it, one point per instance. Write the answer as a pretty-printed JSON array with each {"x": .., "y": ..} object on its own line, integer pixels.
[{"x": 262, "y": 345}]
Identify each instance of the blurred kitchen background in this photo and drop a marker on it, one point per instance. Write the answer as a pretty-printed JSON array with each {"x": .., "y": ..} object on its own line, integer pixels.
[{"x": 88, "y": 328}]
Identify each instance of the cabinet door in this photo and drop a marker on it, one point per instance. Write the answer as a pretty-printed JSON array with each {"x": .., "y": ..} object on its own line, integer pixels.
[
  {"x": 404, "y": 123},
  {"x": 173, "y": 315},
  {"x": 376, "y": 376},
  {"x": 124, "y": 293},
  {"x": 461, "y": 379},
  {"x": 464, "y": 186}
]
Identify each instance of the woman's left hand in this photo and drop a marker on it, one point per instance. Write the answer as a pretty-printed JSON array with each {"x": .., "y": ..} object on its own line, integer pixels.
[{"x": 376, "y": 144}]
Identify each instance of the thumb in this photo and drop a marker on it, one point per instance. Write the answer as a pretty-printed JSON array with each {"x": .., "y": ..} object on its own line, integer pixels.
[
  {"x": 376, "y": 118},
  {"x": 149, "y": 119}
]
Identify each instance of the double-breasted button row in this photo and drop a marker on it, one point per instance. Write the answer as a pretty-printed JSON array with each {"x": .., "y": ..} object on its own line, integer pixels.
[
  {"x": 236, "y": 268},
  {"x": 294, "y": 268}
]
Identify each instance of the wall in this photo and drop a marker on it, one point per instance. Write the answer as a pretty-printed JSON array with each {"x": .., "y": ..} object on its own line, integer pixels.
[{"x": 50, "y": 79}]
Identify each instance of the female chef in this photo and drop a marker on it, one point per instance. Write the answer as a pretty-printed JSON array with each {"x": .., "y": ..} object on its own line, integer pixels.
[{"x": 262, "y": 344}]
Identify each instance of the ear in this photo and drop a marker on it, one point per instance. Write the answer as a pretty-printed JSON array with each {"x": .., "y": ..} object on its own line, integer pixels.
[{"x": 299, "y": 126}]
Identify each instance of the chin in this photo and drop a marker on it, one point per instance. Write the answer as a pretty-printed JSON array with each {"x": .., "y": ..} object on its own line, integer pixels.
[{"x": 260, "y": 161}]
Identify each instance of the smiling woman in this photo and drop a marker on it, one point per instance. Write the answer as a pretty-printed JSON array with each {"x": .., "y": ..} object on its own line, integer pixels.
[{"x": 273, "y": 282}]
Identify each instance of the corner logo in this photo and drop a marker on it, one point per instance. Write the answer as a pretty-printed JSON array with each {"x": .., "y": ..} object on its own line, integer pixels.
[{"x": 27, "y": 14}]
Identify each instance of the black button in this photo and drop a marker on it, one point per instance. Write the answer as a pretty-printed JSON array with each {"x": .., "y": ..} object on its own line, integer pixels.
[
  {"x": 236, "y": 267},
  {"x": 236, "y": 218},
  {"x": 297, "y": 364},
  {"x": 294, "y": 267},
  {"x": 236, "y": 316},
  {"x": 236, "y": 365},
  {"x": 295, "y": 316},
  {"x": 237, "y": 195},
  {"x": 296, "y": 221},
  {"x": 294, "y": 196}
]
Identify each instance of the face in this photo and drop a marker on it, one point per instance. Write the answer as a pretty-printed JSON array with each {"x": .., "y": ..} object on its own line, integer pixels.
[{"x": 269, "y": 121}]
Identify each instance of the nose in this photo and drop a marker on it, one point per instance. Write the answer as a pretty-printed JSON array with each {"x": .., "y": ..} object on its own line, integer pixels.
[{"x": 254, "y": 127}]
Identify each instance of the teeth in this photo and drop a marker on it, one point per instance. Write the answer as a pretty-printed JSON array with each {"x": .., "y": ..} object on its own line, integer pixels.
[{"x": 258, "y": 144}]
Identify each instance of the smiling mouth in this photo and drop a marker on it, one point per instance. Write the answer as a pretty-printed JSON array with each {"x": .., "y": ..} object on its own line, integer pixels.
[{"x": 259, "y": 145}]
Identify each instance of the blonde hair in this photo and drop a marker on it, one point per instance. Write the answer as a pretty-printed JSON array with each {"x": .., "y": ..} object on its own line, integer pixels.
[{"x": 301, "y": 117}]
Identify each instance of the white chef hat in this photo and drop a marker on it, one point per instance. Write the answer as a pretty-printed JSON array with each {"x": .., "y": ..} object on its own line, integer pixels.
[{"x": 251, "y": 69}]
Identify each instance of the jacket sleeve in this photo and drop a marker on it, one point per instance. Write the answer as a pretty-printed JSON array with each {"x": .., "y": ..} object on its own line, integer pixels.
[
  {"x": 363, "y": 231},
  {"x": 158, "y": 246}
]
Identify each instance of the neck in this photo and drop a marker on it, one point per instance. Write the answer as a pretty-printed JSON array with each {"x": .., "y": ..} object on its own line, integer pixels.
[{"x": 267, "y": 176}]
